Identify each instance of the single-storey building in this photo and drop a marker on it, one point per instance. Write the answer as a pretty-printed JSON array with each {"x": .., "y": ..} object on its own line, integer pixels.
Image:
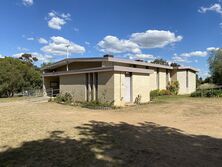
[{"x": 113, "y": 79}]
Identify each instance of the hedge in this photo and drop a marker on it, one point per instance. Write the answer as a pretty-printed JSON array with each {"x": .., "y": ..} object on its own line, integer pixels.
[{"x": 207, "y": 93}]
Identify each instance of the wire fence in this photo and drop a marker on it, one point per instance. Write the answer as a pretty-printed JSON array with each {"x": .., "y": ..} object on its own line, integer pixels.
[
  {"x": 38, "y": 92},
  {"x": 215, "y": 91},
  {"x": 52, "y": 92},
  {"x": 219, "y": 87}
]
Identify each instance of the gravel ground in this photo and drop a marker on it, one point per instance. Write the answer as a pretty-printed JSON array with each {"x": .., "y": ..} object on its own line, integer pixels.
[{"x": 175, "y": 131}]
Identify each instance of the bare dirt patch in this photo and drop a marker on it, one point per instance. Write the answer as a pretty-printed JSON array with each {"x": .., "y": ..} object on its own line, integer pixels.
[{"x": 179, "y": 131}]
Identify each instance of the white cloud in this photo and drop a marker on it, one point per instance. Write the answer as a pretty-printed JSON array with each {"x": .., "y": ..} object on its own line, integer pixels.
[
  {"x": 196, "y": 61},
  {"x": 139, "y": 56},
  {"x": 56, "y": 20},
  {"x": 56, "y": 23},
  {"x": 58, "y": 46},
  {"x": 144, "y": 56},
  {"x": 42, "y": 41},
  {"x": 215, "y": 8},
  {"x": 87, "y": 43},
  {"x": 76, "y": 29},
  {"x": 1, "y": 56},
  {"x": 155, "y": 38},
  {"x": 30, "y": 39},
  {"x": 179, "y": 59},
  {"x": 22, "y": 49},
  {"x": 212, "y": 49},
  {"x": 183, "y": 57},
  {"x": 27, "y": 2},
  {"x": 42, "y": 57},
  {"x": 112, "y": 44},
  {"x": 66, "y": 16},
  {"x": 39, "y": 56},
  {"x": 137, "y": 42},
  {"x": 194, "y": 54}
]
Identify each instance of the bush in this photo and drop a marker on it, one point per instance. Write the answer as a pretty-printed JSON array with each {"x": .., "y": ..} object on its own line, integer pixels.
[
  {"x": 64, "y": 98},
  {"x": 154, "y": 94},
  {"x": 164, "y": 92},
  {"x": 173, "y": 87},
  {"x": 97, "y": 105},
  {"x": 157, "y": 92},
  {"x": 207, "y": 93},
  {"x": 196, "y": 94}
]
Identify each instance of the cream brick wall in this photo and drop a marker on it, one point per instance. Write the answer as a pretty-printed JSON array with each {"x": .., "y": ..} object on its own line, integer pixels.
[
  {"x": 192, "y": 81},
  {"x": 181, "y": 77},
  {"x": 162, "y": 79},
  {"x": 74, "y": 84},
  {"x": 106, "y": 86},
  {"x": 119, "y": 78},
  {"x": 153, "y": 79},
  {"x": 140, "y": 86}
]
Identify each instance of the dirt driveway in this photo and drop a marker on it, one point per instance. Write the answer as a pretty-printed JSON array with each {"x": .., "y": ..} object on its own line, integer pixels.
[{"x": 176, "y": 131}]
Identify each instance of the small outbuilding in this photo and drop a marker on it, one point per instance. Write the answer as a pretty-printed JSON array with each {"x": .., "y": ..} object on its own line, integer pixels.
[{"x": 115, "y": 80}]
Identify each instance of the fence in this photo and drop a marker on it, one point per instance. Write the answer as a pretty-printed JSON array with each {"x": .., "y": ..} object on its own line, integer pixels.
[
  {"x": 52, "y": 92},
  {"x": 31, "y": 92},
  {"x": 38, "y": 92},
  {"x": 215, "y": 91}
]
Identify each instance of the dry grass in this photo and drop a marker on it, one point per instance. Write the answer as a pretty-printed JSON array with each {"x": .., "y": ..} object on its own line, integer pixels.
[{"x": 175, "y": 131}]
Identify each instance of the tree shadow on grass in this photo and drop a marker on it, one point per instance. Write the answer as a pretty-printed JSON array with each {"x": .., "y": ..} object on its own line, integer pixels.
[{"x": 111, "y": 144}]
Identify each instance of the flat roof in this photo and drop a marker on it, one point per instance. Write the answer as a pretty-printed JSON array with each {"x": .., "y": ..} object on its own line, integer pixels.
[{"x": 112, "y": 59}]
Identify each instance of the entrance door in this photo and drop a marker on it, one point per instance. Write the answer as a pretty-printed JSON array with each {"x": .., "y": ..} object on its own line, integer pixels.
[{"x": 127, "y": 97}]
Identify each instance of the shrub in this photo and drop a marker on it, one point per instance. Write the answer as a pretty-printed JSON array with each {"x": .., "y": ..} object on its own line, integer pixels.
[
  {"x": 173, "y": 87},
  {"x": 154, "y": 94},
  {"x": 157, "y": 92},
  {"x": 164, "y": 92},
  {"x": 97, "y": 104},
  {"x": 64, "y": 98},
  {"x": 207, "y": 93}
]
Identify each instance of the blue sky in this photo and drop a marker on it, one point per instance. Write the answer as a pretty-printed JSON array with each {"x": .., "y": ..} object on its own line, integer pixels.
[{"x": 184, "y": 31}]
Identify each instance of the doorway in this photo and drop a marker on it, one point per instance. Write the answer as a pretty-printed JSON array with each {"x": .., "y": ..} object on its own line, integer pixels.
[{"x": 128, "y": 89}]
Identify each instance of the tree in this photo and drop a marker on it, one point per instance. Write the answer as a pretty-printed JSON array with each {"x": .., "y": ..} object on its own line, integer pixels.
[
  {"x": 208, "y": 80},
  {"x": 45, "y": 64},
  {"x": 175, "y": 65},
  {"x": 160, "y": 61},
  {"x": 16, "y": 75},
  {"x": 199, "y": 80},
  {"x": 215, "y": 66},
  {"x": 28, "y": 58}
]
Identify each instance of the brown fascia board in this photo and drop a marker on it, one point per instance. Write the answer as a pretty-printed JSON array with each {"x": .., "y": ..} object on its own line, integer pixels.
[
  {"x": 100, "y": 69},
  {"x": 187, "y": 68}
]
